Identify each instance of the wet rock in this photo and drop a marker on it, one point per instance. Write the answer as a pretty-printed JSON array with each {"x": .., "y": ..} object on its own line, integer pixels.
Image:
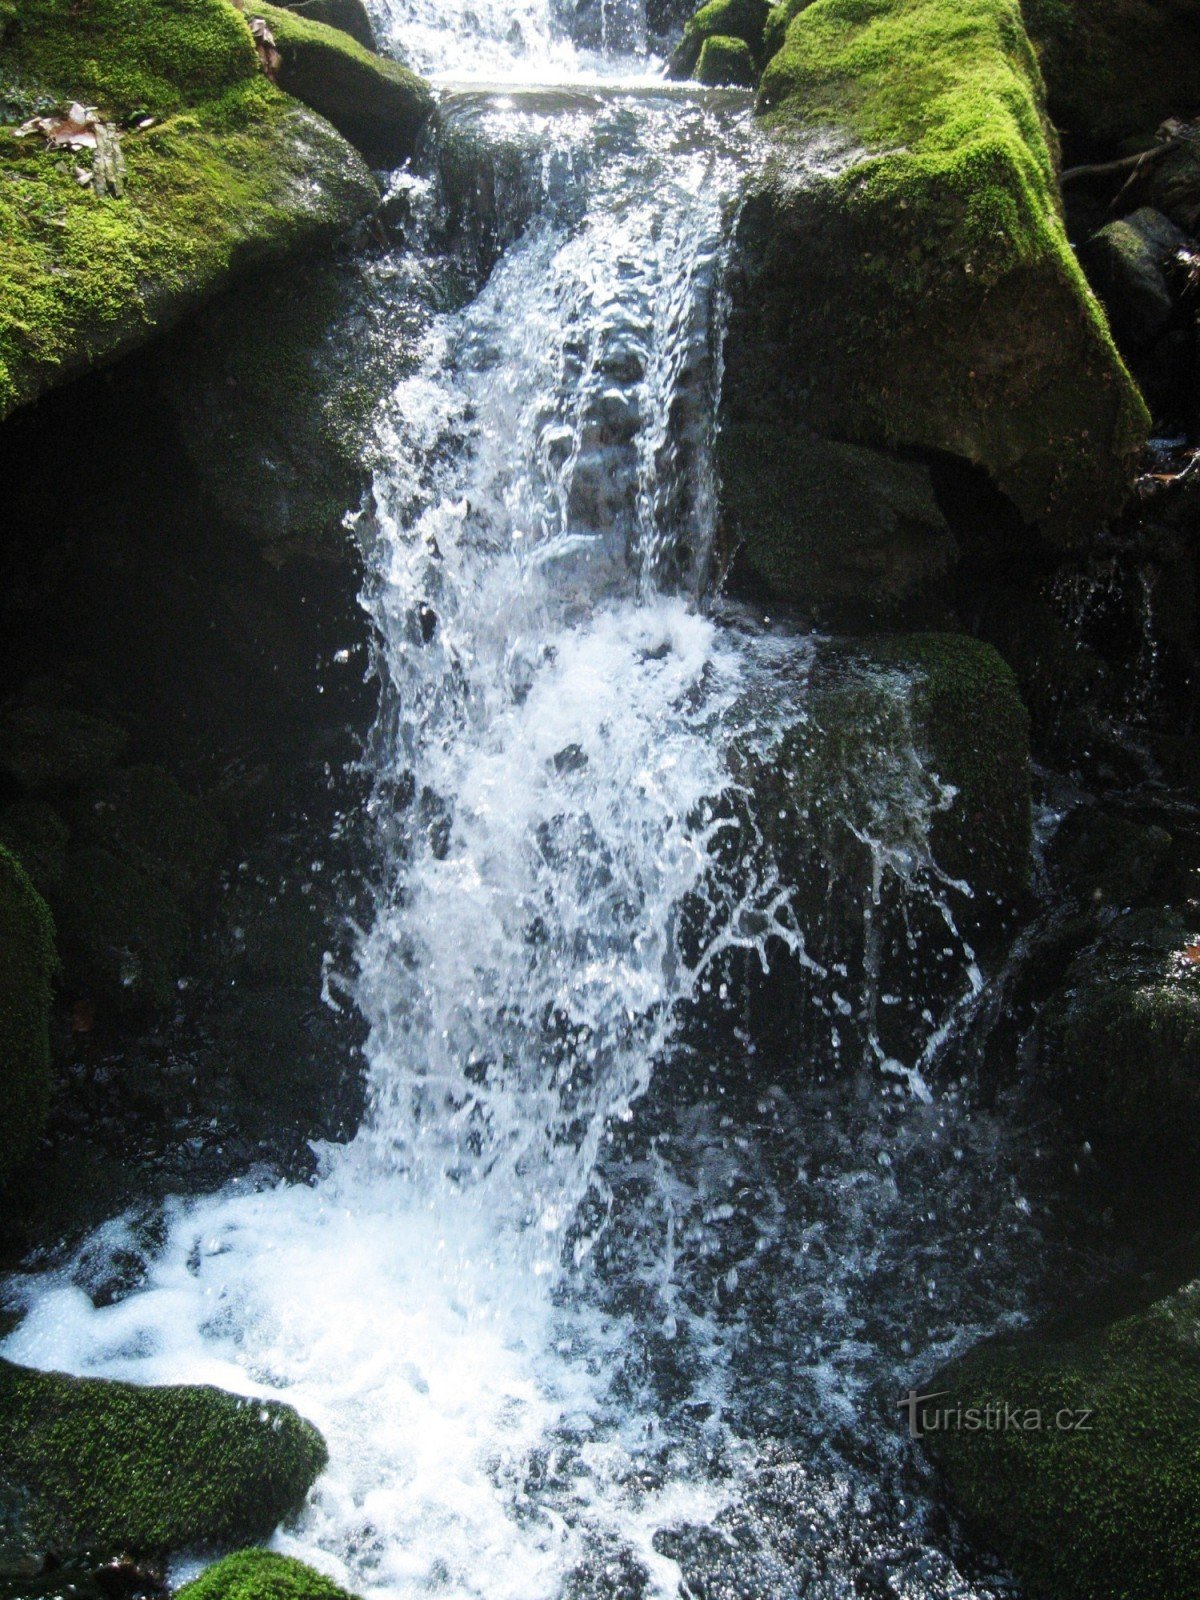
[
  {"x": 1108, "y": 860},
  {"x": 903, "y": 278},
  {"x": 851, "y": 535},
  {"x": 349, "y": 15},
  {"x": 113, "y": 1466},
  {"x": 123, "y": 936},
  {"x": 47, "y": 747},
  {"x": 261, "y": 1575},
  {"x": 37, "y": 835},
  {"x": 286, "y": 375},
  {"x": 1080, "y": 1470},
  {"x": 141, "y": 815},
  {"x": 1121, "y": 1045},
  {"x": 378, "y": 105},
  {"x": 27, "y": 965}
]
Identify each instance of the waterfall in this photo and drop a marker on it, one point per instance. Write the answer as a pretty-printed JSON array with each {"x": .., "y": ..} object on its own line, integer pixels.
[{"x": 575, "y": 1285}]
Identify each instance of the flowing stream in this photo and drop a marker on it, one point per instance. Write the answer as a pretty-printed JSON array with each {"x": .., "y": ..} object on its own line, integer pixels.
[{"x": 602, "y": 1299}]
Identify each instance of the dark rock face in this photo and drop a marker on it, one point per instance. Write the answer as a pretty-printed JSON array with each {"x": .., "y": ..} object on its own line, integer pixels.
[{"x": 348, "y": 15}]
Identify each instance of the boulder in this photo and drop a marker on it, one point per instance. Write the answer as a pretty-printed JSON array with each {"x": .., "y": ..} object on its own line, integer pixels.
[
  {"x": 37, "y": 835},
  {"x": 378, "y": 105},
  {"x": 349, "y": 15},
  {"x": 1172, "y": 183},
  {"x": 726, "y": 20},
  {"x": 221, "y": 171},
  {"x": 725, "y": 61},
  {"x": 1121, "y": 1044},
  {"x": 141, "y": 815},
  {"x": 1126, "y": 264},
  {"x": 26, "y": 968},
  {"x": 903, "y": 279},
  {"x": 46, "y": 747},
  {"x": 261, "y": 1575},
  {"x": 856, "y": 534},
  {"x": 1115, "y": 69},
  {"x": 1091, "y": 1493},
  {"x": 124, "y": 936},
  {"x": 96, "y": 1465}
]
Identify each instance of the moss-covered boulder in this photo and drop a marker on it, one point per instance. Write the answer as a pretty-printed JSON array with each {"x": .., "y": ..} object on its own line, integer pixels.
[
  {"x": 27, "y": 964},
  {"x": 97, "y": 1465},
  {"x": 886, "y": 784},
  {"x": 725, "y": 61},
  {"x": 1115, "y": 69},
  {"x": 35, "y": 832},
  {"x": 1121, "y": 1046},
  {"x": 261, "y": 1575},
  {"x": 904, "y": 279},
  {"x": 857, "y": 535},
  {"x": 143, "y": 816},
  {"x": 350, "y": 16},
  {"x": 47, "y": 747},
  {"x": 377, "y": 104},
  {"x": 1082, "y": 1467},
  {"x": 726, "y": 21},
  {"x": 229, "y": 172}
]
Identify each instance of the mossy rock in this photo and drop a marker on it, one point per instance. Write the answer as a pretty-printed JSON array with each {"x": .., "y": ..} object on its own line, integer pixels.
[
  {"x": 141, "y": 815},
  {"x": 726, "y": 21},
  {"x": 37, "y": 835},
  {"x": 27, "y": 964},
  {"x": 261, "y": 1575},
  {"x": 124, "y": 937},
  {"x": 1104, "y": 1509},
  {"x": 726, "y": 61},
  {"x": 286, "y": 374},
  {"x": 99, "y": 1465},
  {"x": 903, "y": 277},
  {"x": 378, "y": 105},
  {"x": 1121, "y": 1046},
  {"x": 232, "y": 172},
  {"x": 349, "y": 15},
  {"x": 1126, "y": 264},
  {"x": 47, "y": 748},
  {"x": 852, "y": 535},
  {"x": 1117, "y": 68}
]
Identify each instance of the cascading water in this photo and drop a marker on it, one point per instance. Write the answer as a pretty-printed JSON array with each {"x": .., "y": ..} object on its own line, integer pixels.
[{"x": 578, "y": 1299}]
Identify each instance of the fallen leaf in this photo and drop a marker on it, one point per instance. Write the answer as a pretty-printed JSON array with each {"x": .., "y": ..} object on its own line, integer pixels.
[
  {"x": 268, "y": 53},
  {"x": 1191, "y": 952}
]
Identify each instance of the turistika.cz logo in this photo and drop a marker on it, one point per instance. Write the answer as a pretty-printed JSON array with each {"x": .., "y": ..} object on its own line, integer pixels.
[{"x": 997, "y": 1416}]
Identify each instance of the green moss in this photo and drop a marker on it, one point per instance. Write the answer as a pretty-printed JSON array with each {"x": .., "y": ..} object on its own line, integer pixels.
[
  {"x": 377, "y": 104},
  {"x": 924, "y": 294},
  {"x": 1115, "y": 69},
  {"x": 261, "y": 1575},
  {"x": 113, "y": 1466},
  {"x": 1122, "y": 1047},
  {"x": 234, "y": 173},
  {"x": 27, "y": 963},
  {"x": 725, "y": 21},
  {"x": 726, "y": 61},
  {"x": 1103, "y": 1512}
]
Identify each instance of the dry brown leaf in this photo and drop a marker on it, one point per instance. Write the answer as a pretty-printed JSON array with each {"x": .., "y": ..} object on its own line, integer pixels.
[{"x": 268, "y": 52}]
